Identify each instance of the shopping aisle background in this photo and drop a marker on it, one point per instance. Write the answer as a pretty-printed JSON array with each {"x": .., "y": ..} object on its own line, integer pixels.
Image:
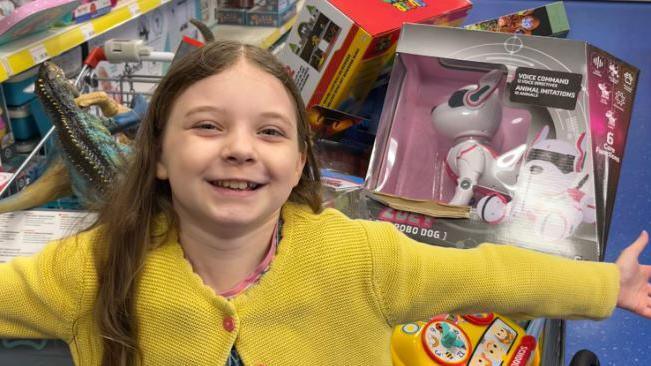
[{"x": 621, "y": 28}]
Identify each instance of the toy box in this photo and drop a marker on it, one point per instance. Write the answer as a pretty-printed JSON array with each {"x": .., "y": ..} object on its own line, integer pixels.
[
  {"x": 231, "y": 16},
  {"x": 548, "y": 20},
  {"x": 261, "y": 17},
  {"x": 237, "y": 4},
  {"x": 274, "y": 5},
  {"x": 528, "y": 131},
  {"x": 338, "y": 48},
  {"x": 92, "y": 9}
]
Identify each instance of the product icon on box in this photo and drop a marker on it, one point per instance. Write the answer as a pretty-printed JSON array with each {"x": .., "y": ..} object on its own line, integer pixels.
[{"x": 530, "y": 137}]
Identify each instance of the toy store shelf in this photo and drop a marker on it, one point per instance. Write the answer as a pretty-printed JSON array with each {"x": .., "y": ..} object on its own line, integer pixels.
[
  {"x": 24, "y": 53},
  {"x": 263, "y": 37}
]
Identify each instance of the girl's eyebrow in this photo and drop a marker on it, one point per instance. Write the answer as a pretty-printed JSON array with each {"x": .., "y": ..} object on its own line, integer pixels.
[
  {"x": 276, "y": 115},
  {"x": 203, "y": 108}
]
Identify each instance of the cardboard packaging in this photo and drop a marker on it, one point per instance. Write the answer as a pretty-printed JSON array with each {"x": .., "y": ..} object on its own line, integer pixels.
[
  {"x": 528, "y": 131},
  {"x": 548, "y": 20},
  {"x": 338, "y": 48},
  {"x": 232, "y": 16},
  {"x": 262, "y": 16}
]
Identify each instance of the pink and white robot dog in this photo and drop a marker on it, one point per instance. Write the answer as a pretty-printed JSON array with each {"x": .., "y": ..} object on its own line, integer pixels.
[
  {"x": 548, "y": 193},
  {"x": 470, "y": 117}
]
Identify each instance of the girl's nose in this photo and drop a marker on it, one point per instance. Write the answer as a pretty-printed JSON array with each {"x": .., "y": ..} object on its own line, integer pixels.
[{"x": 239, "y": 148}]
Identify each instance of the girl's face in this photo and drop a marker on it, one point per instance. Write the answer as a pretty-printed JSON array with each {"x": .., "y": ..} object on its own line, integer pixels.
[{"x": 230, "y": 150}]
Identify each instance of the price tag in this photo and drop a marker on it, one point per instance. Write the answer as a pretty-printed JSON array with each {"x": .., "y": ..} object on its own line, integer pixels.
[
  {"x": 88, "y": 31},
  {"x": 134, "y": 9},
  {"x": 39, "y": 53}
]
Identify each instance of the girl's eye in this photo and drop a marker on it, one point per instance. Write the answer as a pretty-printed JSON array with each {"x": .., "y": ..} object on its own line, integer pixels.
[
  {"x": 206, "y": 126},
  {"x": 272, "y": 132}
]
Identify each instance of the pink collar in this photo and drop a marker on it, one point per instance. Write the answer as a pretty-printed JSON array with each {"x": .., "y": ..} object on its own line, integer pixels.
[{"x": 259, "y": 270}]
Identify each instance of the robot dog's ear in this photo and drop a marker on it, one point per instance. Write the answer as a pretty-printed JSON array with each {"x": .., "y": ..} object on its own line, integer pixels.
[{"x": 487, "y": 85}]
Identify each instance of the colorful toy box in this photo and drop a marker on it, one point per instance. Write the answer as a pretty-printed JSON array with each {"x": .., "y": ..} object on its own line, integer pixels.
[
  {"x": 277, "y": 6},
  {"x": 548, "y": 20},
  {"x": 528, "y": 131},
  {"x": 338, "y": 48},
  {"x": 90, "y": 9},
  {"x": 261, "y": 16},
  {"x": 237, "y": 4}
]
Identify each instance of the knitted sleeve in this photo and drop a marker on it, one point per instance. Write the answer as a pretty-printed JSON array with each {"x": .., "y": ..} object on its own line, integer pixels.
[
  {"x": 415, "y": 281},
  {"x": 40, "y": 295}
]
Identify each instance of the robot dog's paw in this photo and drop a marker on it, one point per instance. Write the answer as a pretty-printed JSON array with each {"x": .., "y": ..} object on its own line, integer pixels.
[{"x": 493, "y": 209}]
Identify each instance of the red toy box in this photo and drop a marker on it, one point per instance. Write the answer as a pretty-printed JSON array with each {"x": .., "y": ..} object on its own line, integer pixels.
[{"x": 338, "y": 48}]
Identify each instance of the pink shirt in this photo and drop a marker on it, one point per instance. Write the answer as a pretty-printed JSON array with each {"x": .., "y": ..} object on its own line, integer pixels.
[{"x": 259, "y": 270}]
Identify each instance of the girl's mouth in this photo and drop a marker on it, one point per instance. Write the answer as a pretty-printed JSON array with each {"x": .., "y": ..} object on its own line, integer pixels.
[{"x": 238, "y": 185}]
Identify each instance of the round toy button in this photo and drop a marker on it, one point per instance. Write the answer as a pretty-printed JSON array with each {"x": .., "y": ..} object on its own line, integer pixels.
[
  {"x": 446, "y": 343},
  {"x": 480, "y": 318}
]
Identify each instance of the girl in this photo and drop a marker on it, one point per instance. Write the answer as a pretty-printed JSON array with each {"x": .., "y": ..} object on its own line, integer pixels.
[{"x": 215, "y": 247}]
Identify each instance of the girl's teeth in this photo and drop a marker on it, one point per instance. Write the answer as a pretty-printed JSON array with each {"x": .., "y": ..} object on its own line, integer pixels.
[{"x": 235, "y": 185}]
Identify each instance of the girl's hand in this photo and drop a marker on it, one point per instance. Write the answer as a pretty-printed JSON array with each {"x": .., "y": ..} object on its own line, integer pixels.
[{"x": 634, "y": 286}]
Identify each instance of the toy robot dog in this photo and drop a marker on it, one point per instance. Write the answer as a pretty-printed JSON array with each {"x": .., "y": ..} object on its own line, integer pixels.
[
  {"x": 549, "y": 192},
  {"x": 471, "y": 117}
]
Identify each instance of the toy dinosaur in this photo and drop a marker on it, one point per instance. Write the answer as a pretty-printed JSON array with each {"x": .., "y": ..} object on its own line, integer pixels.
[
  {"x": 87, "y": 158},
  {"x": 90, "y": 153}
]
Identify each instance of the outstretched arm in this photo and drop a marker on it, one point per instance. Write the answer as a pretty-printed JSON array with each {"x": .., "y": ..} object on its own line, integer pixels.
[{"x": 634, "y": 286}]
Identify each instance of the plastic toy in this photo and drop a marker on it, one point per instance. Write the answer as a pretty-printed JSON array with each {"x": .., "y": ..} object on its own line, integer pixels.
[
  {"x": 34, "y": 17},
  {"x": 470, "y": 118},
  {"x": 548, "y": 194},
  {"x": 473, "y": 340}
]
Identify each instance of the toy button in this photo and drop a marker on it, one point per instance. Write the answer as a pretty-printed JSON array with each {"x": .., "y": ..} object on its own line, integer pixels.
[
  {"x": 480, "y": 318},
  {"x": 229, "y": 324}
]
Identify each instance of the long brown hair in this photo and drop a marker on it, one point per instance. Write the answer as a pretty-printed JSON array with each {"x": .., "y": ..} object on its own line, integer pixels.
[{"x": 127, "y": 220}]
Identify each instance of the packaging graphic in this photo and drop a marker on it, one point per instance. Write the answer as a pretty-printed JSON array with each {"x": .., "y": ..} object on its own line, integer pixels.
[
  {"x": 528, "y": 131},
  {"x": 338, "y": 48},
  {"x": 548, "y": 20}
]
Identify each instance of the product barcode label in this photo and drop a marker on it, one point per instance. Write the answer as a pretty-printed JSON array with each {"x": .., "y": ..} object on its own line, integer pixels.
[
  {"x": 39, "y": 54},
  {"x": 88, "y": 31},
  {"x": 134, "y": 9}
]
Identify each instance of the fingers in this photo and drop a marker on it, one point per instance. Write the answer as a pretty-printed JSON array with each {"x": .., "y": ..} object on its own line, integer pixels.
[{"x": 640, "y": 243}]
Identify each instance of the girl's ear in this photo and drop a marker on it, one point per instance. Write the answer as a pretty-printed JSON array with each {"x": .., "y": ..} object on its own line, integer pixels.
[{"x": 161, "y": 170}]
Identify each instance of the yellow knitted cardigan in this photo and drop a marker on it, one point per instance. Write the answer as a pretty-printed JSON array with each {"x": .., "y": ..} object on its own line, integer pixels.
[{"x": 331, "y": 296}]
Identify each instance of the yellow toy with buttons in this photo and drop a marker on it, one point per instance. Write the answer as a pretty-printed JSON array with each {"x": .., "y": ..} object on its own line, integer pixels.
[{"x": 458, "y": 340}]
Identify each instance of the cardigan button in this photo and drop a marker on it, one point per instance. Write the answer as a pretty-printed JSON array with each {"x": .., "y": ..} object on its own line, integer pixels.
[{"x": 229, "y": 324}]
